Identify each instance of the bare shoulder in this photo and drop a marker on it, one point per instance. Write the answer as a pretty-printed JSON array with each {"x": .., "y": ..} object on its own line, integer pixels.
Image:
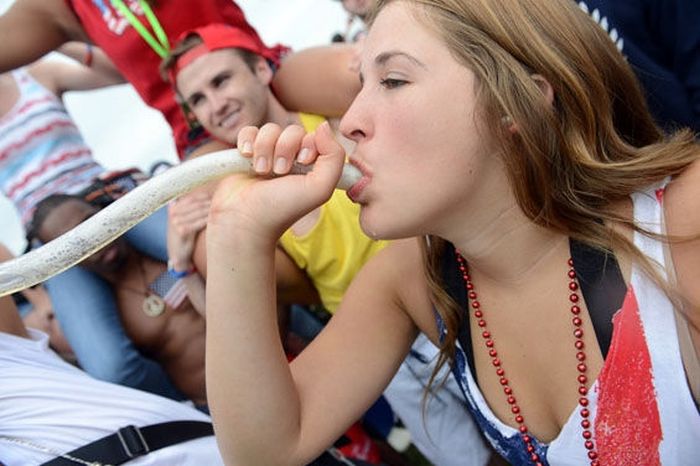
[
  {"x": 34, "y": 28},
  {"x": 59, "y": 14},
  {"x": 682, "y": 205},
  {"x": 398, "y": 272},
  {"x": 56, "y": 14},
  {"x": 682, "y": 202},
  {"x": 318, "y": 80}
]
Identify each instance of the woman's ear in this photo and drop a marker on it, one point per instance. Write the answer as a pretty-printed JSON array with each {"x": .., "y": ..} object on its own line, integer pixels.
[
  {"x": 548, "y": 93},
  {"x": 545, "y": 87}
]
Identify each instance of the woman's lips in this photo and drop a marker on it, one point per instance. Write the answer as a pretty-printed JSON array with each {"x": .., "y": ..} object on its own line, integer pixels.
[{"x": 356, "y": 189}]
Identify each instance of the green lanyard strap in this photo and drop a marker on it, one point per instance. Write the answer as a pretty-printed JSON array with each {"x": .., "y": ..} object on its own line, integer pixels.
[{"x": 160, "y": 45}]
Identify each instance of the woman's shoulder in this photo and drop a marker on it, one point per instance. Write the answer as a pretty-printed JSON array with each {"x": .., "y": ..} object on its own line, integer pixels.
[
  {"x": 682, "y": 201},
  {"x": 682, "y": 216},
  {"x": 399, "y": 267}
]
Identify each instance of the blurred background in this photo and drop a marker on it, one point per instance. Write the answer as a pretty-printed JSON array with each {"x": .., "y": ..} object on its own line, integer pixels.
[{"x": 123, "y": 132}]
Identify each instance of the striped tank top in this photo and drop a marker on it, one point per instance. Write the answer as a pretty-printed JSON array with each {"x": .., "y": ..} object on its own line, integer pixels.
[
  {"x": 41, "y": 149},
  {"x": 641, "y": 406}
]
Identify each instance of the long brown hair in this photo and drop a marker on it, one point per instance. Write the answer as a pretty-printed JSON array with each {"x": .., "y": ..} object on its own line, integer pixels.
[{"x": 570, "y": 162}]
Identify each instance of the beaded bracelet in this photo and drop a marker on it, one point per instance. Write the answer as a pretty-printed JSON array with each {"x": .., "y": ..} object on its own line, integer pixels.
[{"x": 87, "y": 61}]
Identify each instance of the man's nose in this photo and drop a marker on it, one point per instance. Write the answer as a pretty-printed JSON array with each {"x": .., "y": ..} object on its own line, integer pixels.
[{"x": 219, "y": 103}]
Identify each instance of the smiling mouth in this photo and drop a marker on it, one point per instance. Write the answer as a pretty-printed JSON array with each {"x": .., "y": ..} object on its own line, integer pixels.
[{"x": 231, "y": 120}]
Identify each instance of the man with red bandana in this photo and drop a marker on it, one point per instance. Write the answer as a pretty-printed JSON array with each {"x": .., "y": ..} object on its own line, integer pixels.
[{"x": 136, "y": 34}]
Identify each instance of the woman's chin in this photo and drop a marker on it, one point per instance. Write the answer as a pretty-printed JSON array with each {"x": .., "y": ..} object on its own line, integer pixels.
[{"x": 381, "y": 228}]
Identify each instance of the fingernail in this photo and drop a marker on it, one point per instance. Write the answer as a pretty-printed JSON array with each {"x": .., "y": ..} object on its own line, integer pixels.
[
  {"x": 260, "y": 165},
  {"x": 247, "y": 148},
  {"x": 304, "y": 155},
  {"x": 281, "y": 166}
]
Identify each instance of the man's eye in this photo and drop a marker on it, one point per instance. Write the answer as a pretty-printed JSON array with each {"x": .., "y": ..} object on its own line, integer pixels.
[
  {"x": 391, "y": 83},
  {"x": 221, "y": 80}
]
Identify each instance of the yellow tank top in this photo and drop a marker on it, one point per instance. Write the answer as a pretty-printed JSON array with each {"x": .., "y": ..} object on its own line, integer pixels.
[{"x": 335, "y": 249}]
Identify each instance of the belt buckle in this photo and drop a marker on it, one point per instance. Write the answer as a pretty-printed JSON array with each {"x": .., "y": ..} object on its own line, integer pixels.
[{"x": 134, "y": 434}]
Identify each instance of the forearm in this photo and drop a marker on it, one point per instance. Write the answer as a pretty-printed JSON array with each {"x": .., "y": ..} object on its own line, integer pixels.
[
  {"x": 94, "y": 58},
  {"x": 196, "y": 292},
  {"x": 249, "y": 385}
]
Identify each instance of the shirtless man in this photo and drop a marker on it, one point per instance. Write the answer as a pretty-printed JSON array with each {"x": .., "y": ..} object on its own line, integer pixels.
[{"x": 157, "y": 307}]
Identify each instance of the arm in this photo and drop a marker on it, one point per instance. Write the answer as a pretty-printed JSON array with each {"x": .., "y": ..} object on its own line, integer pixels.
[
  {"x": 60, "y": 77},
  {"x": 251, "y": 387},
  {"x": 342, "y": 372},
  {"x": 94, "y": 58},
  {"x": 318, "y": 80},
  {"x": 37, "y": 296},
  {"x": 196, "y": 292},
  {"x": 31, "y": 28},
  {"x": 10, "y": 321},
  {"x": 187, "y": 216},
  {"x": 187, "y": 219}
]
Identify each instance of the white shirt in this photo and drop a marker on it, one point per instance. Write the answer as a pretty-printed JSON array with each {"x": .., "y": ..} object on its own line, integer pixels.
[{"x": 48, "y": 402}]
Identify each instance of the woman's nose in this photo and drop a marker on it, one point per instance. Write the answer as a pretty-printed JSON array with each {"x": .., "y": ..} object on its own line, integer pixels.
[{"x": 354, "y": 123}]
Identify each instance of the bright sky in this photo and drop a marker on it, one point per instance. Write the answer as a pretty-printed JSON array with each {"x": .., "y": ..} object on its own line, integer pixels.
[{"x": 123, "y": 132}]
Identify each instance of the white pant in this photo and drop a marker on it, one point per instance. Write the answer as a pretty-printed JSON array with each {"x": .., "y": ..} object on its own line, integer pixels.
[{"x": 446, "y": 435}]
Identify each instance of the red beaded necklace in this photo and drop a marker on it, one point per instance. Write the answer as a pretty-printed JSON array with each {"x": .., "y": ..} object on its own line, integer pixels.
[{"x": 500, "y": 372}]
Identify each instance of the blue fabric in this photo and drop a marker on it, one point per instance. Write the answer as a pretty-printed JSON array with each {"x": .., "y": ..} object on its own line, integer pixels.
[
  {"x": 661, "y": 40},
  {"x": 304, "y": 323},
  {"x": 509, "y": 444},
  {"x": 512, "y": 448},
  {"x": 85, "y": 307},
  {"x": 379, "y": 418},
  {"x": 149, "y": 236}
]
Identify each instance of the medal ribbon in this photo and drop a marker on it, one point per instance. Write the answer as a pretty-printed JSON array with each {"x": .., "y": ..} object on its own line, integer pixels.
[{"x": 159, "y": 43}]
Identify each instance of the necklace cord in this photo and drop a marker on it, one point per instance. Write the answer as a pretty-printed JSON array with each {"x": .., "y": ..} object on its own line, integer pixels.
[{"x": 160, "y": 43}]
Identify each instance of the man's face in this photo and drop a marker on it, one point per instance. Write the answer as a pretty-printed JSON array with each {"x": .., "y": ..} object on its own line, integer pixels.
[
  {"x": 68, "y": 215},
  {"x": 44, "y": 319},
  {"x": 225, "y": 94}
]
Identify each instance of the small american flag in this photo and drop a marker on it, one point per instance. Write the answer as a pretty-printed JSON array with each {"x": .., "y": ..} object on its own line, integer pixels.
[{"x": 172, "y": 290}]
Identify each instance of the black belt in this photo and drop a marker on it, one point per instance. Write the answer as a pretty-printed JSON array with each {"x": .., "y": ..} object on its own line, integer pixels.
[{"x": 131, "y": 442}]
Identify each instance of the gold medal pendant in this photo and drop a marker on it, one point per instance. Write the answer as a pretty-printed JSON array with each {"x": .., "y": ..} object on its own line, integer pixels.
[{"x": 153, "y": 305}]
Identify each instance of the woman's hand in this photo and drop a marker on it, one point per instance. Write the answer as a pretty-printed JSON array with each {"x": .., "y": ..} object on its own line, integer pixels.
[{"x": 264, "y": 206}]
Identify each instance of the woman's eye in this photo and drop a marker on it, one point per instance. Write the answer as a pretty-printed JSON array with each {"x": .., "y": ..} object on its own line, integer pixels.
[{"x": 391, "y": 83}]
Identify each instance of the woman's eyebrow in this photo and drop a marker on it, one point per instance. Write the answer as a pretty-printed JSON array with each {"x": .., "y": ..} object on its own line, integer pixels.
[{"x": 384, "y": 57}]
